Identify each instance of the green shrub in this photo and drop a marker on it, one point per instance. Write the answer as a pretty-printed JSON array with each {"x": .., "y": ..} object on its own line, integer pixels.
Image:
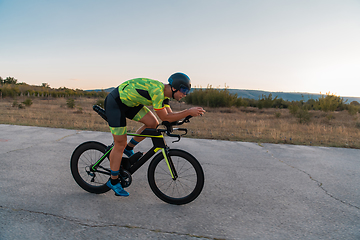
[
  {"x": 353, "y": 109},
  {"x": 266, "y": 101},
  {"x": 311, "y": 104},
  {"x": 28, "y": 102},
  {"x": 70, "y": 103},
  {"x": 278, "y": 114},
  {"x": 293, "y": 108},
  {"x": 330, "y": 102},
  {"x": 280, "y": 103},
  {"x": 241, "y": 102},
  {"x": 211, "y": 97},
  {"x": 303, "y": 115},
  {"x": 15, "y": 104},
  {"x": 300, "y": 112},
  {"x": 356, "y": 103},
  {"x": 252, "y": 103}
]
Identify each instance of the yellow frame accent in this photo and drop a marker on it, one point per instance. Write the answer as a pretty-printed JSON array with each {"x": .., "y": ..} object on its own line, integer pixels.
[
  {"x": 140, "y": 135},
  {"x": 157, "y": 149},
  {"x": 167, "y": 162}
]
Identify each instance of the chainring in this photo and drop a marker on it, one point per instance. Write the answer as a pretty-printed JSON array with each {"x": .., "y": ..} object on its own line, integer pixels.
[{"x": 125, "y": 178}]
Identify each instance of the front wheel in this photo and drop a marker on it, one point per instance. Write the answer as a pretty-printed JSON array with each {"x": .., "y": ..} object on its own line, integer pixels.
[{"x": 186, "y": 187}]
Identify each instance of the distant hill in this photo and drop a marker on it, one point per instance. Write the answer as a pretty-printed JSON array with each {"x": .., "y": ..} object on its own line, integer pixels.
[
  {"x": 289, "y": 96},
  {"x": 256, "y": 94},
  {"x": 99, "y": 90}
]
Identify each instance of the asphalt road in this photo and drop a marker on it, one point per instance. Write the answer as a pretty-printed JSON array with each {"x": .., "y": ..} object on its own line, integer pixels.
[{"x": 251, "y": 191}]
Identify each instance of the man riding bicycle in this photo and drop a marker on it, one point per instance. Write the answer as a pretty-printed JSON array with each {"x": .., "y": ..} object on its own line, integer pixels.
[{"x": 129, "y": 100}]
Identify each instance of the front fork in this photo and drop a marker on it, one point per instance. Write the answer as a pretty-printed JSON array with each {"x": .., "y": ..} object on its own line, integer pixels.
[{"x": 169, "y": 162}]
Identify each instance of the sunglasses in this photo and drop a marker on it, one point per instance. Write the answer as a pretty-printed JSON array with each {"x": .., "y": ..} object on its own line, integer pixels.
[{"x": 184, "y": 90}]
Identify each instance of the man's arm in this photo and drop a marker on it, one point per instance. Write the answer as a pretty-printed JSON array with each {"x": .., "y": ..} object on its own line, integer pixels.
[
  {"x": 170, "y": 116},
  {"x": 168, "y": 109}
]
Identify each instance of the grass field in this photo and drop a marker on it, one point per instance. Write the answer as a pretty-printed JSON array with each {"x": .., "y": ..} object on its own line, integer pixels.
[{"x": 335, "y": 129}]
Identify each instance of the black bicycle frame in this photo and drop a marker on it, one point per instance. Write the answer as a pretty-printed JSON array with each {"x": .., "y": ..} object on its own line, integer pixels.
[{"x": 158, "y": 144}]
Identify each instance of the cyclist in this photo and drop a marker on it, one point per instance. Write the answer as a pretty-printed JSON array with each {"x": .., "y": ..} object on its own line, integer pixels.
[{"x": 129, "y": 100}]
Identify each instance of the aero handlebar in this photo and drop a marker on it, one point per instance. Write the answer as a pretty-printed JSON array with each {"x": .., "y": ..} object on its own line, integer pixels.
[{"x": 169, "y": 127}]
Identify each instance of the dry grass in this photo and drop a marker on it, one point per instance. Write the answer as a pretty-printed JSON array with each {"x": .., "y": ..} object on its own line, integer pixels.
[
  {"x": 337, "y": 129},
  {"x": 256, "y": 125}
]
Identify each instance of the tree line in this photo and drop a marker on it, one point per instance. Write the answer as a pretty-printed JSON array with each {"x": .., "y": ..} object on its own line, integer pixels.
[
  {"x": 211, "y": 97},
  {"x": 9, "y": 87}
]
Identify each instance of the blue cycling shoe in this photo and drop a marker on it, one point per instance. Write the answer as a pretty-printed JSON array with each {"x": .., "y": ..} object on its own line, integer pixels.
[
  {"x": 118, "y": 189},
  {"x": 128, "y": 153}
]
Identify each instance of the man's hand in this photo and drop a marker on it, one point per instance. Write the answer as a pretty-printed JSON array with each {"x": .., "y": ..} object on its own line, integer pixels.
[{"x": 196, "y": 111}]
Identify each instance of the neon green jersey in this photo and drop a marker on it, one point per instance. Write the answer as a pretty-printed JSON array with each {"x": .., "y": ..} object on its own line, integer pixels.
[{"x": 143, "y": 91}]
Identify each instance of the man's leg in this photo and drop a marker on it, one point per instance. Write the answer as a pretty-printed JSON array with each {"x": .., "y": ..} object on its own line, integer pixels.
[
  {"x": 149, "y": 121},
  {"x": 115, "y": 162}
]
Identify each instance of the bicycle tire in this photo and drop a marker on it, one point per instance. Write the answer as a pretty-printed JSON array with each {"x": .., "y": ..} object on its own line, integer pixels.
[
  {"x": 186, "y": 188},
  {"x": 84, "y": 156}
]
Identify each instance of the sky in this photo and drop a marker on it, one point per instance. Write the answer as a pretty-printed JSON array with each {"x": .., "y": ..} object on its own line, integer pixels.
[{"x": 308, "y": 46}]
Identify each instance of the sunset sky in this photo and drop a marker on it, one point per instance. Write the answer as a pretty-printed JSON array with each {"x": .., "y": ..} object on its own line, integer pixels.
[{"x": 274, "y": 45}]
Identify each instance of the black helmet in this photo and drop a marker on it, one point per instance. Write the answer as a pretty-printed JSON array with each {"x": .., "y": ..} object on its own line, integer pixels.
[{"x": 181, "y": 82}]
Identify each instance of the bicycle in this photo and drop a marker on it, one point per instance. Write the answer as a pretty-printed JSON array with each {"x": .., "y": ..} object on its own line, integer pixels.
[{"x": 175, "y": 176}]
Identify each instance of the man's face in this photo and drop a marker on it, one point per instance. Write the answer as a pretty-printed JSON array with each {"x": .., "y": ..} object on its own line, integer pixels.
[{"x": 178, "y": 95}]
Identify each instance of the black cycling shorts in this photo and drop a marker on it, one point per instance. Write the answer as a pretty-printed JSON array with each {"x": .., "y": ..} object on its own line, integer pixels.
[{"x": 117, "y": 112}]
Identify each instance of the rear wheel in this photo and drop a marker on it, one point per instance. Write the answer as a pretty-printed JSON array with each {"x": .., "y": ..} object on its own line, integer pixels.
[
  {"x": 82, "y": 159},
  {"x": 186, "y": 187}
]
